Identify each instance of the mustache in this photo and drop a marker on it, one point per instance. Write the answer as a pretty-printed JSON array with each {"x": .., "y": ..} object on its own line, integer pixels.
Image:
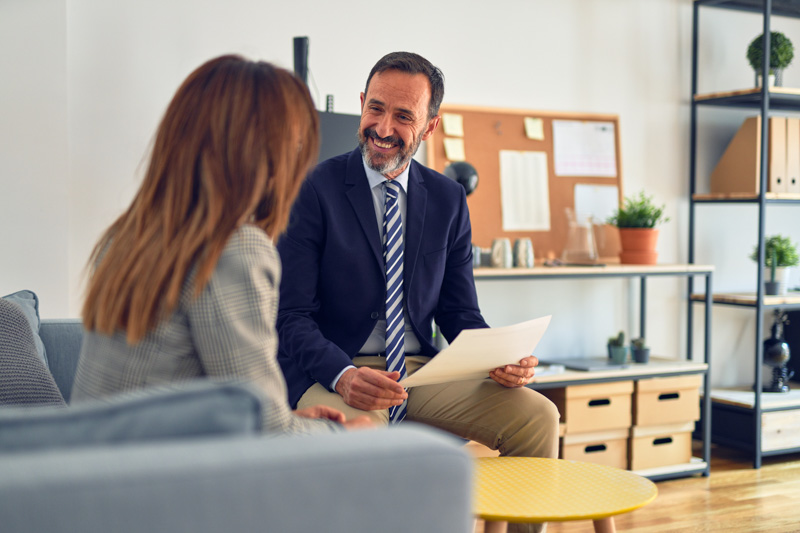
[{"x": 370, "y": 133}]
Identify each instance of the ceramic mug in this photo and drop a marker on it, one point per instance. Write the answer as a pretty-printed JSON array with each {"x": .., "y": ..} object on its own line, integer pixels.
[{"x": 501, "y": 253}]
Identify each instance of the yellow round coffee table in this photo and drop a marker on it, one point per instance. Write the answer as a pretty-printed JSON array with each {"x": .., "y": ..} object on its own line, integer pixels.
[{"x": 534, "y": 490}]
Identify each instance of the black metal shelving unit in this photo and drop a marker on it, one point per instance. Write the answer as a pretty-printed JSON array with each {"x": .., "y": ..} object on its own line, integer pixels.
[{"x": 728, "y": 419}]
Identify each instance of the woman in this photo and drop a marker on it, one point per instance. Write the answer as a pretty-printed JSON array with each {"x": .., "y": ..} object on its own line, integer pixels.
[{"x": 185, "y": 282}]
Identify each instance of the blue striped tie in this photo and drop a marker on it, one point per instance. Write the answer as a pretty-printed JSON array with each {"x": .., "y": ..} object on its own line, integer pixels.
[{"x": 395, "y": 325}]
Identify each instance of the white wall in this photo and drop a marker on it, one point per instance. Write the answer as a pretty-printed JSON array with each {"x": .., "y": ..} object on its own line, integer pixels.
[{"x": 85, "y": 82}]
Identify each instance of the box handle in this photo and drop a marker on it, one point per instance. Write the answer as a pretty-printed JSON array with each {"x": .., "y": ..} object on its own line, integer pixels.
[
  {"x": 662, "y": 441},
  {"x": 600, "y": 402},
  {"x": 594, "y": 448},
  {"x": 669, "y": 396}
]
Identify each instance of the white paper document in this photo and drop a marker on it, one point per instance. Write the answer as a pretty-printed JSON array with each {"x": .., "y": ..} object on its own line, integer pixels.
[
  {"x": 476, "y": 352},
  {"x": 584, "y": 148},
  {"x": 524, "y": 191}
]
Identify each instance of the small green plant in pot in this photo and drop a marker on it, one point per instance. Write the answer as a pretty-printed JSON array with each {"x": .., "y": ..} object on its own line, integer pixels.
[
  {"x": 640, "y": 350},
  {"x": 637, "y": 220},
  {"x": 781, "y": 54},
  {"x": 617, "y": 351},
  {"x": 780, "y": 254}
]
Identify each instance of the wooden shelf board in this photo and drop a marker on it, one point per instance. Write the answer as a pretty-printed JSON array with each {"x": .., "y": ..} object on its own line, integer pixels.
[
  {"x": 743, "y": 92},
  {"x": 656, "y": 366},
  {"x": 749, "y": 298},
  {"x": 745, "y": 397},
  {"x": 696, "y": 464},
  {"x": 746, "y": 196},
  {"x": 543, "y": 271}
]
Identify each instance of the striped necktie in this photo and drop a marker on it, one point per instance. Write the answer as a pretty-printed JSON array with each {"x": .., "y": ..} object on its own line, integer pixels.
[{"x": 393, "y": 258}]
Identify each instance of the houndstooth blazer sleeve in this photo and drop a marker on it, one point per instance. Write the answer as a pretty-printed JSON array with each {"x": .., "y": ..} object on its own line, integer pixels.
[{"x": 232, "y": 325}]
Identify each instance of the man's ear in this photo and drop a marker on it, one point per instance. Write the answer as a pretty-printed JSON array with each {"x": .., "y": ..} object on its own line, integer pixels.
[
  {"x": 431, "y": 127},
  {"x": 362, "y": 101}
]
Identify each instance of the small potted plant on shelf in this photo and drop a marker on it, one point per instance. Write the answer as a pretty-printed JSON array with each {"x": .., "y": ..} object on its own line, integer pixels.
[
  {"x": 617, "y": 351},
  {"x": 640, "y": 350},
  {"x": 636, "y": 220},
  {"x": 780, "y": 254},
  {"x": 780, "y": 56}
]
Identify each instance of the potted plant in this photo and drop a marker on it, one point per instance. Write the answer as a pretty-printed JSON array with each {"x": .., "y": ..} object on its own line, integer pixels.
[
  {"x": 636, "y": 220},
  {"x": 640, "y": 350},
  {"x": 617, "y": 351},
  {"x": 781, "y": 54},
  {"x": 779, "y": 255}
]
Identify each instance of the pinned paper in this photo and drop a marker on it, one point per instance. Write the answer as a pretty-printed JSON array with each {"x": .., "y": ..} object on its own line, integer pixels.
[
  {"x": 534, "y": 128},
  {"x": 453, "y": 124},
  {"x": 454, "y": 149}
]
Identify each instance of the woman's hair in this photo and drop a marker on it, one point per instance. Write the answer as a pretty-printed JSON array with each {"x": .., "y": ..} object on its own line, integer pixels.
[{"x": 233, "y": 147}]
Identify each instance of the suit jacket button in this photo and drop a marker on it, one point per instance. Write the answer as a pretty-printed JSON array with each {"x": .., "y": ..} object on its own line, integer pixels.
[{"x": 374, "y": 315}]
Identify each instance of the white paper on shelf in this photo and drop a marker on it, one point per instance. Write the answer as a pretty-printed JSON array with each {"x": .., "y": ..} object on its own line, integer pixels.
[{"x": 476, "y": 352}]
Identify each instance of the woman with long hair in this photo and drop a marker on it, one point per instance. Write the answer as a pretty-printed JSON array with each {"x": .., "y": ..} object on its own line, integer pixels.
[{"x": 185, "y": 282}]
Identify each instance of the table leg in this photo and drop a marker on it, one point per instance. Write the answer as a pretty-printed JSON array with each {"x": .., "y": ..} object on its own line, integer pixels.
[
  {"x": 495, "y": 527},
  {"x": 604, "y": 525}
]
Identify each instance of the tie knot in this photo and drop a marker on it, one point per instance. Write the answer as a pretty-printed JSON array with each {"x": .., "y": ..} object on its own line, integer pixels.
[{"x": 392, "y": 188}]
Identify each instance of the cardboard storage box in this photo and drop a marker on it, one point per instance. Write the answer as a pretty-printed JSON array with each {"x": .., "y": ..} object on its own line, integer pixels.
[
  {"x": 660, "y": 401},
  {"x": 606, "y": 447},
  {"x": 780, "y": 430},
  {"x": 654, "y": 446},
  {"x": 588, "y": 408}
]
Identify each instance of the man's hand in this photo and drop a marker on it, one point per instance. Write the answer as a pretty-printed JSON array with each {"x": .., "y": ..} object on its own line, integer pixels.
[
  {"x": 329, "y": 413},
  {"x": 369, "y": 390},
  {"x": 514, "y": 376}
]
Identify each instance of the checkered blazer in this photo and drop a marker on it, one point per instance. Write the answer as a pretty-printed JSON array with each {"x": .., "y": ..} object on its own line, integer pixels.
[{"x": 227, "y": 332}]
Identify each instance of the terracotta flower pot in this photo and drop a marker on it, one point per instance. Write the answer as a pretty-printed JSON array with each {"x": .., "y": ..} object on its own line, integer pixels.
[{"x": 638, "y": 246}]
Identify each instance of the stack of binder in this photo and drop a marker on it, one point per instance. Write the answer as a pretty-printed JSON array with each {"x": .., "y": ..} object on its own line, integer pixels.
[{"x": 738, "y": 170}]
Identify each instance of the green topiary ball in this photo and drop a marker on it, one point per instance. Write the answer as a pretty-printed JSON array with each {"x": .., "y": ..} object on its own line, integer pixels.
[{"x": 782, "y": 52}]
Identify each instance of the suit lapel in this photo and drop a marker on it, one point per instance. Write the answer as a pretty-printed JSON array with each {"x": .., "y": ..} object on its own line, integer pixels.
[
  {"x": 360, "y": 197},
  {"x": 415, "y": 219}
]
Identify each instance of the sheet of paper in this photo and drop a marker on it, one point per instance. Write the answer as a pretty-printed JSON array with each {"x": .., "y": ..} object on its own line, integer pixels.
[
  {"x": 534, "y": 128},
  {"x": 524, "y": 192},
  {"x": 475, "y": 352},
  {"x": 453, "y": 124},
  {"x": 596, "y": 201},
  {"x": 584, "y": 148},
  {"x": 454, "y": 149}
]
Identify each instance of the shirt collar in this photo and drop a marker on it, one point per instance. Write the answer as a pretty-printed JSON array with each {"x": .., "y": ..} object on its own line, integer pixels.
[{"x": 375, "y": 178}]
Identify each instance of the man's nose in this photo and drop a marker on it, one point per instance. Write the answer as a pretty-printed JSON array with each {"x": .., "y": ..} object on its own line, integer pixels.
[{"x": 384, "y": 127}]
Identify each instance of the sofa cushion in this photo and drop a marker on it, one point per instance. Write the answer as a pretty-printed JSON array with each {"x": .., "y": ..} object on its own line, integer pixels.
[
  {"x": 197, "y": 408},
  {"x": 24, "y": 378},
  {"x": 29, "y": 304}
]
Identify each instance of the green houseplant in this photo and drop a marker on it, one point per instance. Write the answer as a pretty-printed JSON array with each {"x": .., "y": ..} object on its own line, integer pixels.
[
  {"x": 617, "y": 351},
  {"x": 636, "y": 220},
  {"x": 781, "y": 54},
  {"x": 780, "y": 253}
]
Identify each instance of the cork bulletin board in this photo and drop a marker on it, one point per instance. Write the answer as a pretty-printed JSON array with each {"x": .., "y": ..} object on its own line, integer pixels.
[{"x": 486, "y": 137}]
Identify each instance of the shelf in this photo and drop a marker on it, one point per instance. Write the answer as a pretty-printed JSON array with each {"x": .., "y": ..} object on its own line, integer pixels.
[
  {"x": 695, "y": 466},
  {"x": 748, "y": 299},
  {"x": 783, "y": 98},
  {"x": 770, "y": 401},
  {"x": 785, "y": 8},
  {"x": 770, "y": 197},
  {"x": 592, "y": 271},
  {"x": 657, "y": 367}
]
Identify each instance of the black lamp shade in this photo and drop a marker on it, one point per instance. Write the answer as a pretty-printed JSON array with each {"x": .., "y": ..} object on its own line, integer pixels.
[{"x": 463, "y": 173}]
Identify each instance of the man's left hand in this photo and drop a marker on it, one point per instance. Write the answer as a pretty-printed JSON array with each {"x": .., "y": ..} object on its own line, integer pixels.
[{"x": 514, "y": 376}]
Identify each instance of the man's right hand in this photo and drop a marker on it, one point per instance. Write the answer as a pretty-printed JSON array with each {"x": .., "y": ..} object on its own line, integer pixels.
[{"x": 369, "y": 390}]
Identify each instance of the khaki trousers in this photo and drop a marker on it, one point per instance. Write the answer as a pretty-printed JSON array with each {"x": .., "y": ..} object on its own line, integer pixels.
[{"x": 517, "y": 422}]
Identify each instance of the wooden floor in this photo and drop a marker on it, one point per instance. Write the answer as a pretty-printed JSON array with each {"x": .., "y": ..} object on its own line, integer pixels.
[{"x": 733, "y": 499}]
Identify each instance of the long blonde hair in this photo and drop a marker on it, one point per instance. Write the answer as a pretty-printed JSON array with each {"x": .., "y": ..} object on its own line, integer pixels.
[{"x": 233, "y": 147}]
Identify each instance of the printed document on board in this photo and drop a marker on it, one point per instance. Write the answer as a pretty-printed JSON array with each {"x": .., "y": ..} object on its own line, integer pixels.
[{"x": 476, "y": 352}]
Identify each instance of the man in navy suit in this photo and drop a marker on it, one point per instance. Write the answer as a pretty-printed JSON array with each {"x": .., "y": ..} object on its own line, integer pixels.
[{"x": 331, "y": 321}]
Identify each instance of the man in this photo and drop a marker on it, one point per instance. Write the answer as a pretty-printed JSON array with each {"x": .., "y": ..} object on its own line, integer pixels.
[{"x": 337, "y": 322}]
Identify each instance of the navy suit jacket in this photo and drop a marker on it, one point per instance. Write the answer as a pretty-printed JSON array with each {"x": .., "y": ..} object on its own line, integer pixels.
[{"x": 333, "y": 281}]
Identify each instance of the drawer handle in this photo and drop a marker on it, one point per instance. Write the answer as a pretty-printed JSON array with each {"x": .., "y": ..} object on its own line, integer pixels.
[
  {"x": 596, "y": 403},
  {"x": 594, "y": 448},
  {"x": 669, "y": 396},
  {"x": 662, "y": 441}
]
